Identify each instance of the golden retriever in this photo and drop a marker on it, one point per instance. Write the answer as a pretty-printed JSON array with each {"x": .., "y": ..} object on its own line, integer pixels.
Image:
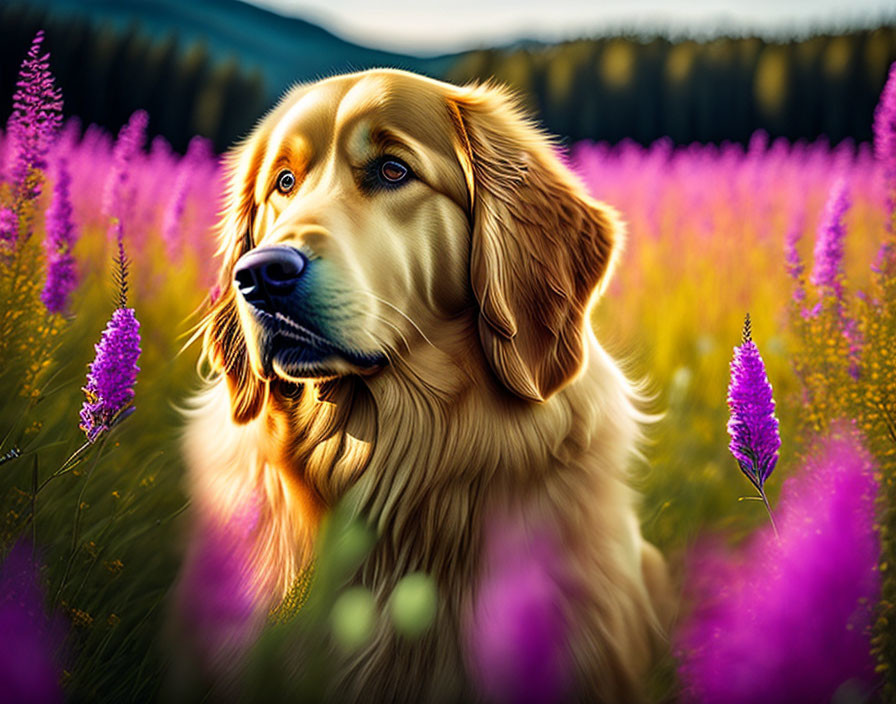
[{"x": 408, "y": 272}]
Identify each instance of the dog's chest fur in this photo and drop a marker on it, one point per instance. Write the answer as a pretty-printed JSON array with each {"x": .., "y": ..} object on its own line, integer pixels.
[{"x": 427, "y": 470}]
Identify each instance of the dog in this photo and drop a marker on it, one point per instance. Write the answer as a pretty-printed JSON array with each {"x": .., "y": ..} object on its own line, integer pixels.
[{"x": 402, "y": 323}]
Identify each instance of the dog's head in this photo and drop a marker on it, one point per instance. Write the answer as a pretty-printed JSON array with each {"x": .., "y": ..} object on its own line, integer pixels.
[{"x": 367, "y": 210}]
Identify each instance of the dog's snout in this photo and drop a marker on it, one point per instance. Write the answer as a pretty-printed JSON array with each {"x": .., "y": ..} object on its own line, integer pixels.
[{"x": 263, "y": 275}]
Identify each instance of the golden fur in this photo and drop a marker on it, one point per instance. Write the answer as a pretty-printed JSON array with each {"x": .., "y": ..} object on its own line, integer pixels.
[{"x": 475, "y": 281}]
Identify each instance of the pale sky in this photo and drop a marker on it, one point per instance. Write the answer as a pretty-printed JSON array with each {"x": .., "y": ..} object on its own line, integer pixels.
[{"x": 426, "y": 26}]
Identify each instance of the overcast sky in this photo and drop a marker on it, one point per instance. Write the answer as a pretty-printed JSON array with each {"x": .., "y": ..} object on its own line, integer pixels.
[{"x": 427, "y": 26}]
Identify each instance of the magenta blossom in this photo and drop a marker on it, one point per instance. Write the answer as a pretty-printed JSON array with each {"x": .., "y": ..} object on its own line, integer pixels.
[
  {"x": 31, "y": 643},
  {"x": 118, "y": 190},
  {"x": 9, "y": 226},
  {"x": 885, "y": 132},
  {"x": 790, "y": 620},
  {"x": 795, "y": 266},
  {"x": 35, "y": 120},
  {"x": 752, "y": 426},
  {"x": 112, "y": 375},
  {"x": 827, "y": 272},
  {"x": 58, "y": 242},
  {"x": 197, "y": 154},
  {"x": 217, "y": 593},
  {"x": 885, "y": 151},
  {"x": 517, "y": 632}
]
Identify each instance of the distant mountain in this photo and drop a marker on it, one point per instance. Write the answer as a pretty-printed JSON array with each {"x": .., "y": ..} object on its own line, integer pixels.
[{"x": 284, "y": 49}]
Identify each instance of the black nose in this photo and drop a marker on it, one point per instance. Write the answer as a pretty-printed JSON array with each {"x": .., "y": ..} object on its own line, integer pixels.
[{"x": 268, "y": 273}]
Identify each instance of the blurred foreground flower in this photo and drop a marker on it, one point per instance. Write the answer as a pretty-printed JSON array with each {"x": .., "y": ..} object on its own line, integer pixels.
[
  {"x": 790, "y": 621},
  {"x": 29, "y": 673},
  {"x": 217, "y": 594},
  {"x": 517, "y": 632},
  {"x": 752, "y": 426},
  {"x": 113, "y": 372},
  {"x": 58, "y": 242}
]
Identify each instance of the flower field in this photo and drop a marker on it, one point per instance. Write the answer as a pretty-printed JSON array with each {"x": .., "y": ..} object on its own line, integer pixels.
[{"x": 110, "y": 238}]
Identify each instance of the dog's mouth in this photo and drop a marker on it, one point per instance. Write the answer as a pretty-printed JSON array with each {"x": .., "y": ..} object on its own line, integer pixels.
[{"x": 291, "y": 350}]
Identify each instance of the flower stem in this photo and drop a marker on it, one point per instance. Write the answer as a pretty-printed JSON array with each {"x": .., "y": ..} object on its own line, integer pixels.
[
  {"x": 76, "y": 526},
  {"x": 67, "y": 466},
  {"x": 770, "y": 514}
]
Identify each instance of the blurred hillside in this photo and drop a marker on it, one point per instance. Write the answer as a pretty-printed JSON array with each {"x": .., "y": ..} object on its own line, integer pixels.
[
  {"x": 208, "y": 67},
  {"x": 213, "y": 66},
  {"x": 724, "y": 89}
]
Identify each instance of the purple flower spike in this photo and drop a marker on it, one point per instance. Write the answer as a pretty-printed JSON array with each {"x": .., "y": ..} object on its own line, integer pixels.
[
  {"x": 885, "y": 131},
  {"x": 112, "y": 375},
  {"x": 827, "y": 272},
  {"x": 35, "y": 120},
  {"x": 879, "y": 266},
  {"x": 116, "y": 195},
  {"x": 58, "y": 243},
  {"x": 795, "y": 267},
  {"x": 9, "y": 226},
  {"x": 752, "y": 426},
  {"x": 197, "y": 152}
]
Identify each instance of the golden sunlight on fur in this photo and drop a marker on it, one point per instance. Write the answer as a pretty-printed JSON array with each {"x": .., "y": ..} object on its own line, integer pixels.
[{"x": 407, "y": 275}]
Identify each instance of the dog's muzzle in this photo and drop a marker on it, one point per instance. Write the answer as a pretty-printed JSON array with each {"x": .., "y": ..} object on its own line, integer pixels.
[{"x": 268, "y": 276}]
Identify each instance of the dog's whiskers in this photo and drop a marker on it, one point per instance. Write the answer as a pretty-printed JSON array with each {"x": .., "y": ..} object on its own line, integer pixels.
[
  {"x": 404, "y": 315},
  {"x": 389, "y": 349}
]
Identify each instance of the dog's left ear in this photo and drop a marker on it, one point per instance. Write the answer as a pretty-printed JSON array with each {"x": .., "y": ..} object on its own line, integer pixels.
[
  {"x": 541, "y": 247},
  {"x": 223, "y": 339}
]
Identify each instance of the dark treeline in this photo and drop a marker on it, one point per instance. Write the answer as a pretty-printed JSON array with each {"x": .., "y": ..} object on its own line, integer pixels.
[
  {"x": 610, "y": 89},
  {"x": 602, "y": 89},
  {"x": 106, "y": 73}
]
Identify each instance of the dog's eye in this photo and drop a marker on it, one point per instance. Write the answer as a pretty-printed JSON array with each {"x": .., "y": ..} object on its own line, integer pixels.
[
  {"x": 385, "y": 172},
  {"x": 286, "y": 181},
  {"x": 392, "y": 172}
]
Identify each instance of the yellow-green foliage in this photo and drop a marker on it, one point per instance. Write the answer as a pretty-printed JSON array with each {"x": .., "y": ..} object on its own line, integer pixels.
[{"x": 106, "y": 533}]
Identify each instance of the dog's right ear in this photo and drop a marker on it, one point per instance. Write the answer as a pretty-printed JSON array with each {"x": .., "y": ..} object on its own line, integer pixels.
[
  {"x": 224, "y": 344},
  {"x": 541, "y": 247}
]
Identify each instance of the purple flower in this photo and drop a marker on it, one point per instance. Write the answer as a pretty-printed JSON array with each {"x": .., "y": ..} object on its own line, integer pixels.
[
  {"x": 218, "y": 593},
  {"x": 112, "y": 375},
  {"x": 29, "y": 649},
  {"x": 9, "y": 226},
  {"x": 752, "y": 426},
  {"x": 789, "y": 620},
  {"x": 855, "y": 341},
  {"x": 197, "y": 153},
  {"x": 885, "y": 150},
  {"x": 795, "y": 267},
  {"x": 117, "y": 194},
  {"x": 516, "y": 633},
  {"x": 885, "y": 131},
  {"x": 58, "y": 242},
  {"x": 882, "y": 260},
  {"x": 35, "y": 120},
  {"x": 827, "y": 272}
]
